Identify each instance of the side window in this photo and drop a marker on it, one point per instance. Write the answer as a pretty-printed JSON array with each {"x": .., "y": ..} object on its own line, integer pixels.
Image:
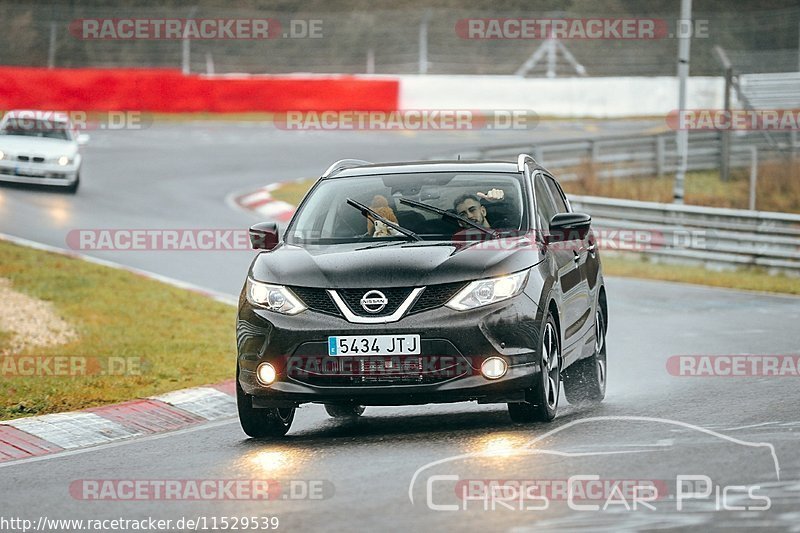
[
  {"x": 545, "y": 207},
  {"x": 558, "y": 198}
]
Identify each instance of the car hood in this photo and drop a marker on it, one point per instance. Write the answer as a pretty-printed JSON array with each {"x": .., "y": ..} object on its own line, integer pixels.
[
  {"x": 40, "y": 146},
  {"x": 392, "y": 265}
]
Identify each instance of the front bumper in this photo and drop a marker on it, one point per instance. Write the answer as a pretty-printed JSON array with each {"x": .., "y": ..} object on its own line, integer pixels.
[
  {"x": 38, "y": 173},
  {"x": 453, "y": 346}
]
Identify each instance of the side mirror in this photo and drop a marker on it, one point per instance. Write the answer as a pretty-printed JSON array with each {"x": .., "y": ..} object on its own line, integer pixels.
[
  {"x": 83, "y": 138},
  {"x": 264, "y": 236},
  {"x": 569, "y": 227}
]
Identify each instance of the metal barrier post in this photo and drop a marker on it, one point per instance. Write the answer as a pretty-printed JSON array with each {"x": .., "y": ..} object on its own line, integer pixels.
[
  {"x": 725, "y": 140},
  {"x": 753, "y": 176}
]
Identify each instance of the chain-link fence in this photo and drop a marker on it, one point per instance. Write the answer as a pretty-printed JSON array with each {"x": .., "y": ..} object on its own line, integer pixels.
[{"x": 401, "y": 41}]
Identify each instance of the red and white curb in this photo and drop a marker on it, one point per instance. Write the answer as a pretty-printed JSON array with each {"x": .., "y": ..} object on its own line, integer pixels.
[
  {"x": 42, "y": 435},
  {"x": 261, "y": 202}
]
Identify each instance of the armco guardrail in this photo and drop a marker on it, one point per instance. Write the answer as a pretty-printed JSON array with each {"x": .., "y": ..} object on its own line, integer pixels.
[
  {"x": 715, "y": 237},
  {"x": 640, "y": 155}
]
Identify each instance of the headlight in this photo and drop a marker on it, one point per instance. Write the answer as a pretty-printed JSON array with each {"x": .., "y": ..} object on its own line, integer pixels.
[
  {"x": 2, "y": 154},
  {"x": 64, "y": 160},
  {"x": 273, "y": 297},
  {"x": 488, "y": 291}
]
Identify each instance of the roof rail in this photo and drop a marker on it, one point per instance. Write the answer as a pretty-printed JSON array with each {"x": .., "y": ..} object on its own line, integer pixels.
[
  {"x": 522, "y": 159},
  {"x": 343, "y": 164}
]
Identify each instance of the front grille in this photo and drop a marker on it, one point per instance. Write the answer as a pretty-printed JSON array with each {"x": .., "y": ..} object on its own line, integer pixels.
[
  {"x": 435, "y": 296},
  {"x": 316, "y": 299},
  {"x": 26, "y": 159},
  {"x": 432, "y": 296},
  {"x": 395, "y": 295}
]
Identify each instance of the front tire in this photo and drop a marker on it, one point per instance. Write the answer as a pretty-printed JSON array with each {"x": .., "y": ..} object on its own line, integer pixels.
[
  {"x": 585, "y": 380},
  {"x": 261, "y": 423},
  {"x": 72, "y": 189},
  {"x": 344, "y": 411},
  {"x": 542, "y": 399}
]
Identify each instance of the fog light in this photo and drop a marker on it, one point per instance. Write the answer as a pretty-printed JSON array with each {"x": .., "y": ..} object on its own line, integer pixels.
[
  {"x": 494, "y": 368},
  {"x": 266, "y": 374}
]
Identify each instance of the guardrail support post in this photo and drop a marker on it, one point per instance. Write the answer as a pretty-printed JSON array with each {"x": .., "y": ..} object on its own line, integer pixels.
[
  {"x": 725, "y": 148},
  {"x": 186, "y": 46},
  {"x": 51, "y": 50},
  {"x": 753, "y": 176},
  {"x": 682, "y": 137},
  {"x": 725, "y": 135}
]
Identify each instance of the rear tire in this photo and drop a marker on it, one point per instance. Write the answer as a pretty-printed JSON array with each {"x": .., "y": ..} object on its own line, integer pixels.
[
  {"x": 261, "y": 423},
  {"x": 344, "y": 411},
  {"x": 541, "y": 403},
  {"x": 585, "y": 380}
]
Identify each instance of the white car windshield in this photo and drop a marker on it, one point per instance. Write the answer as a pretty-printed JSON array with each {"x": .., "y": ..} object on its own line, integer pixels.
[
  {"x": 423, "y": 204},
  {"x": 29, "y": 127}
]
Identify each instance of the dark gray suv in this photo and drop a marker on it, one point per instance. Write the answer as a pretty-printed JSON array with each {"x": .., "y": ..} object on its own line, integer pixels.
[{"x": 422, "y": 282}]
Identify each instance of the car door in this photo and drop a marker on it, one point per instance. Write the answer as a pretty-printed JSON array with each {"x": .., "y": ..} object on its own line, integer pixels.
[
  {"x": 583, "y": 255},
  {"x": 573, "y": 299}
]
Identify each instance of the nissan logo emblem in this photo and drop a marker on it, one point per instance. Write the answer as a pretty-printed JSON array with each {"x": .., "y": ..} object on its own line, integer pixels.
[{"x": 373, "y": 301}]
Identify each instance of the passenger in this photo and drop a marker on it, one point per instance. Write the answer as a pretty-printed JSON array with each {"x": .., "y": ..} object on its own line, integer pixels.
[{"x": 469, "y": 206}]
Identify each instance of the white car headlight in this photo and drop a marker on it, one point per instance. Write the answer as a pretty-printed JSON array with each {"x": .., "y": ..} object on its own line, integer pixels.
[
  {"x": 273, "y": 297},
  {"x": 64, "y": 160},
  {"x": 2, "y": 154},
  {"x": 488, "y": 291}
]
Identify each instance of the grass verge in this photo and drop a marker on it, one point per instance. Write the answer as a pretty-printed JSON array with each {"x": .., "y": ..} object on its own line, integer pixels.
[
  {"x": 778, "y": 187},
  {"x": 751, "y": 279},
  {"x": 162, "y": 338}
]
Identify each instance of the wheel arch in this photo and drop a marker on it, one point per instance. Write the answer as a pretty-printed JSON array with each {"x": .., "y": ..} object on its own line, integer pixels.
[
  {"x": 603, "y": 303},
  {"x": 552, "y": 307}
]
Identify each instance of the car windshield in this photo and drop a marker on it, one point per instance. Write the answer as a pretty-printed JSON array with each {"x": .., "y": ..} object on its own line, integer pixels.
[
  {"x": 29, "y": 127},
  {"x": 490, "y": 200}
]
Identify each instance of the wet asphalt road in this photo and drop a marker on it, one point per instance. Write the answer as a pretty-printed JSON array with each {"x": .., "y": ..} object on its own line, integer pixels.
[{"x": 376, "y": 473}]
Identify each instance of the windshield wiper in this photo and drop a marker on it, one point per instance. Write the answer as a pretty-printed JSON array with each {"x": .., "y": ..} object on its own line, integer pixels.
[
  {"x": 442, "y": 212},
  {"x": 367, "y": 212}
]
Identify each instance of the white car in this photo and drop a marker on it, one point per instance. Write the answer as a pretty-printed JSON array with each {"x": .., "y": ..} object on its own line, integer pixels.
[{"x": 40, "y": 147}]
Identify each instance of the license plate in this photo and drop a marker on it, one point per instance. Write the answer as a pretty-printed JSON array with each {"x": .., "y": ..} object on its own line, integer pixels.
[
  {"x": 374, "y": 345},
  {"x": 25, "y": 170}
]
